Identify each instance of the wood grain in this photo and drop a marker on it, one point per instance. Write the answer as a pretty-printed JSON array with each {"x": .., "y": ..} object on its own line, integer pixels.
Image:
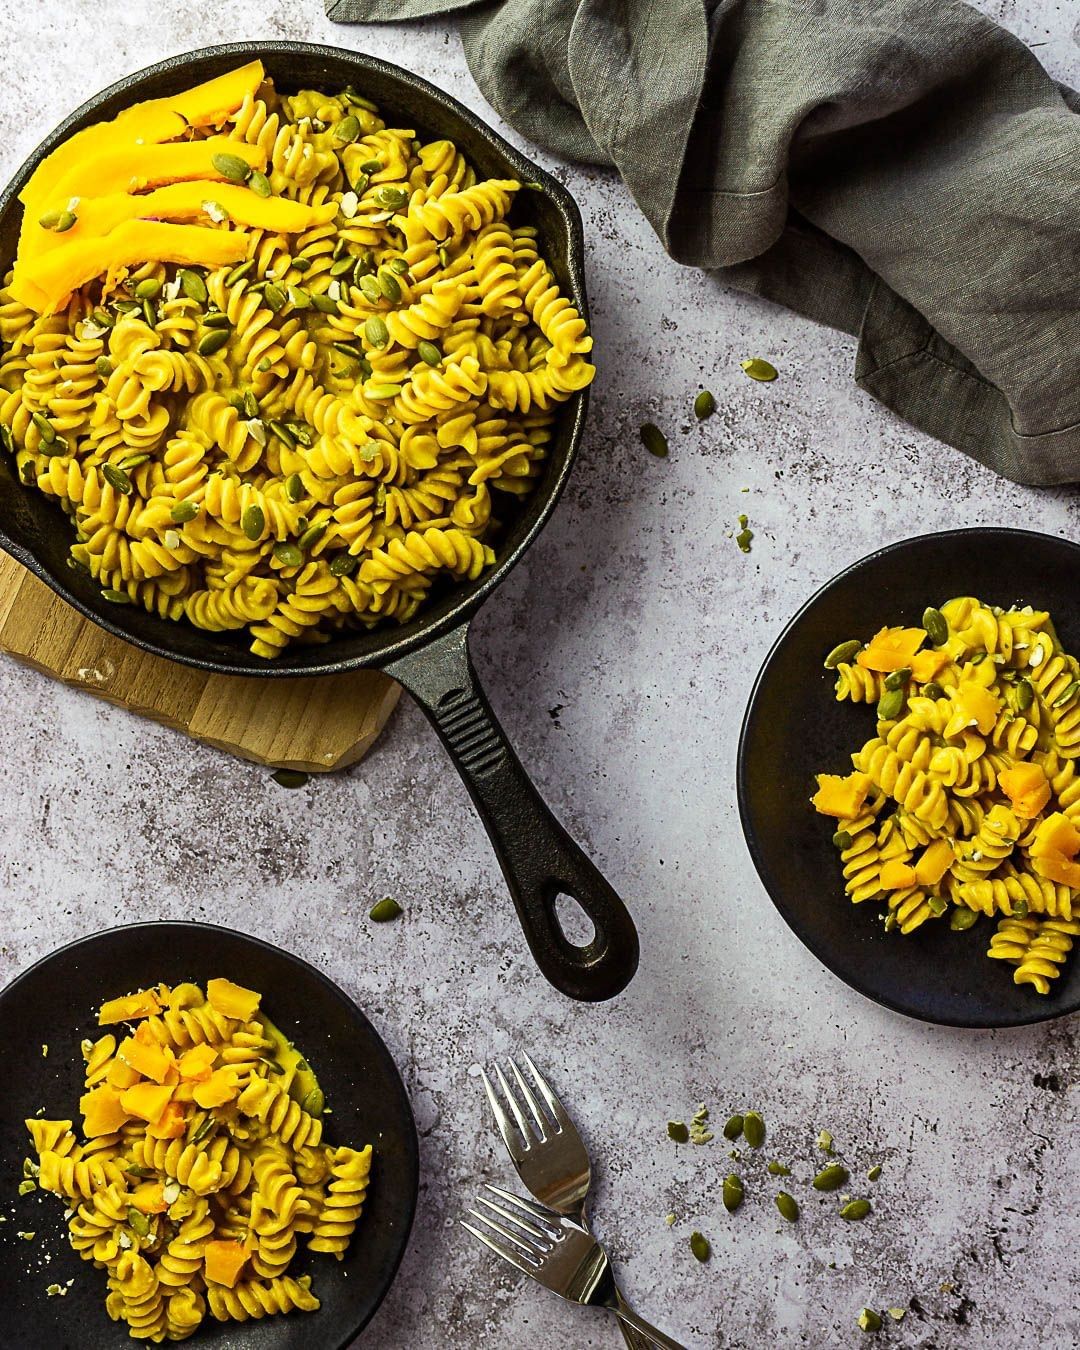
[{"x": 311, "y": 724}]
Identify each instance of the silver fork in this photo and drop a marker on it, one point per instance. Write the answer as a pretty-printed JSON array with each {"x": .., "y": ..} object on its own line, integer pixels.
[
  {"x": 547, "y": 1150},
  {"x": 558, "y": 1253}
]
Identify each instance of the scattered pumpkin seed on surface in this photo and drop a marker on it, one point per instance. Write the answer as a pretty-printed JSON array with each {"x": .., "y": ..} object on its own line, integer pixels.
[
  {"x": 788, "y": 1206},
  {"x": 733, "y": 1193},
  {"x": 745, "y": 535},
  {"x": 831, "y": 1178},
  {"x": 869, "y": 1320},
  {"x": 290, "y": 778},
  {"x": 704, "y": 405},
  {"x": 874, "y": 1172},
  {"x": 654, "y": 440},
  {"x": 897, "y": 1314},
  {"x": 677, "y": 1130},
  {"x": 753, "y": 1129},
  {"x": 855, "y": 1210},
  {"x": 700, "y": 1246},
  {"x": 384, "y": 910},
  {"x": 733, "y": 1127},
  {"x": 759, "y": 369},
  {"x": 777, "y": 1169}
]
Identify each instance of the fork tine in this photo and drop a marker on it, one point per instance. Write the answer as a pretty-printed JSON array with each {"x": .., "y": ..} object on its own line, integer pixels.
[
  {"x": 542, "y": 1123},
  {"x": 540, "y": 1239},
  {"x": 553, "y": 1104},
  {"x": 529, "y": 1206},
  {"x": 526, "y": 1268},
  {"x": 526, "y": 1132},
  {"x": 512, "y": 1142}
]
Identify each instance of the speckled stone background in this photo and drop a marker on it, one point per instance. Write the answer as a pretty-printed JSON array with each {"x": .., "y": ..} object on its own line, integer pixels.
[{"x": 620, "y": 655}]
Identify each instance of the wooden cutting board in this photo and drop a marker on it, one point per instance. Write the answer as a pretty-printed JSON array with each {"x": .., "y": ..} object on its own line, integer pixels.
[{"x": 310, "y": 724}]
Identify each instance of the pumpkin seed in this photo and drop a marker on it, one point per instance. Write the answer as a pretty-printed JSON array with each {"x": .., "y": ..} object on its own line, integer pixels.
[
  {"x": 398, "y": 266},
  {"x": 260, "y": 184},
  {"x": 314, "y": 1102},
  {"x": 272, "y": 1066},
  {"x": 138, "y": 1221},
  {"x": 842, "y": 654},
  {"x": 312, "y": 535},
  {"x": 342, "y": 265},
  {"x": 1067, "y": 695},
  {"x": 869, "y": 1320},
  {"x": 294, "y": 487},
  {"x": 1025, "y": 695},
  {"x": 654, "y": 440},
  {"x": 274, "y": 297},
  {"x": 50, "y": 220},
  {"x": 299, "y": 297},
  {"x": 734, "y": 1127},
  {"x": 283, "y": 434},
  {"x": 391, "y": 197},
  {"x": 103, "y": 318},
  {"x": 936, "y": 625},
  {"x": 855, "y": 1210},
  {"x": 143, "y": 1173},
  {"x": 193, "y": 286},
  {"x": 289, "y": 778},
  {"x": 26, "y": 1186},
  {"x": 676, "y": 1130},
  {"x": 216, "y": 319},
  {"x": 898, "y": 678},
  {"x": 118, "y": 479},
  {"x": 347, "y": 130},
  {"x": 253, "y": 522},
  {"x": 777, "y": 1169},
  {"x": 360, "y": 184},
  {"x": 134, "y": 462},
  {"x": 428, "y": 353},
  {"x": 962, "y": 919},
  {"x": 149, "y": 313},
  {"x": 842, "y": 839},
  {"x": 288, "y": 555},
  {"x": 57, "y": 446},
  {"x": 370, "y": 289},
  {"x": 388, "y": 284},
  {"x": 732, "y": 1193},
  {"x": 149, "y": 289},
  {"x": 371, "y": 166},
  {"x": 251, "y": 403},
  {"x": 699, "y": 1245},
  {"x": 6, "y": 439},
  {"x": 890, "y": 705},
  {"x": 182, "y": 512},
  {"x": 44, "y": 426},
  {"x": 891, "y": 921},
  {"x": 704, "y": 405},
  {"x": 875, "y": 1171},
  {"x": 365, "y": 368},
  {"x": 376, "y": 332},
  {"x": 753, "y": 1129},
  {"x": 759, "y": 369},
  {"x": 104, "y": 366},
  {"x": 443, "y": 254},
  {"x": 232, "y": 167},
  {"x": 301, "y": 264},
  {"x": 344, "y": 565},
  {"x": 116, "y": 597},
  {"x": 203, "y": 1129},
  {"x": 1020, "y": 908},
  {"x": 831, "y": 1178},
  {"x": 125, "y": 306},
  {"x": 787, "y": 1206},
  {"x": 938, "y": 905},
  {"x": 382, "y": 391},
  {"x": 979, "y": 658},
  {"x": 384, "y": 910},
  {"x": 212, "y": 342},
  {"x": 302, "y": 432},
  {"x": 931, "y": 689},
  {"x": 66, "y": 220},
  {"x": 345, "y": 349},
  {"x": 239, "y": 273},
  {"x": 325, "y": 305}
]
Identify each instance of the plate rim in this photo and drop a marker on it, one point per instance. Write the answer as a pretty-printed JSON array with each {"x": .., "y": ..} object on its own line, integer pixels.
[
  {"x": 411, "y": 1139},
  {"x": 749, "y": 832}
]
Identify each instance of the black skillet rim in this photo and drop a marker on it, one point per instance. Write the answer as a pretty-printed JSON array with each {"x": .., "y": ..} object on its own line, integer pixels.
[
  {"x": 409, "y": 1140},
  {"x": 804, "y": 932},
  {"x": 472, "y": 594}
]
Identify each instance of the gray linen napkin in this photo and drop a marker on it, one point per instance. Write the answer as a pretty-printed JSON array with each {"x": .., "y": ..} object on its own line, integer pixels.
[{"x": 904, "y": 170}]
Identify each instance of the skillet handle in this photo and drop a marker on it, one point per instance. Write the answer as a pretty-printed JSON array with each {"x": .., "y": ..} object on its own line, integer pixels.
[{"x": 538, "y": 858}]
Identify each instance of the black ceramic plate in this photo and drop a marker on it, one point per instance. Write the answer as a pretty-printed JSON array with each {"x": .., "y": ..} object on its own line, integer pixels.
[
  {"x": 794, "y": 728},
  {"x": 53, "y": 1003}
]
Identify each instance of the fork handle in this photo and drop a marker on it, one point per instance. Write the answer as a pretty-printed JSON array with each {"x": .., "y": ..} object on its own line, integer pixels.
[{"x": 628, "y": 1318}]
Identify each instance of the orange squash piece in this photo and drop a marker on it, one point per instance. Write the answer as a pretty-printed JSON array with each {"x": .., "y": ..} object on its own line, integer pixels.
[
  {"x": 222, "y": 1086},
  {"x": 928, "y": 665},
  {"x": 891, "y": 649},
  {"x": 223, "y": 1261},
  {"x": 121, "y": 1075},
  {"x": 935, "y": 862},
  {"x": 147, "y": 1057},
  {"x": 172, "y": 1124},
  {"x": 44, "y": 284},
  {"x": 973, "y": 706},
  {"x": 133, "y": 168},
  {"x": 896, "y": 876},
  {"x": 197, "y": 1062},
  {"x": 147, "y": 1101},
  {"x": 149, "y": 1197},
  {"x": 841, "y": 797},
  {"x": 1026, "y": 786},
  {"x": 232, "y": 1000},
  {"x": 1056, "y": 835},
  {"x": 103, "y": 1111},
  {"x": 129, "y": 1008},
  {"x": 1056, "y": 867}
]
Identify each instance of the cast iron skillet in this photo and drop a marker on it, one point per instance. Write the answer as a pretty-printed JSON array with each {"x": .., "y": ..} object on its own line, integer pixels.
[
  {"x": 430, "y": 655},
  {"x": 794, "y": 728},
  {"x": 54, "y": 1004}
]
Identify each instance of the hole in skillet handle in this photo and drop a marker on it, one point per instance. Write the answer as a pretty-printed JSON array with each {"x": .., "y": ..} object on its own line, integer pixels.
[
  {"x": 540, "y": 861},
  {"x": 574, "y": 924}
]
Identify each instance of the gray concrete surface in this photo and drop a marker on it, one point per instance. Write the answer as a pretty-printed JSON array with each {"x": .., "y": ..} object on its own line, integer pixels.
[{"x": 620, "y": 655}]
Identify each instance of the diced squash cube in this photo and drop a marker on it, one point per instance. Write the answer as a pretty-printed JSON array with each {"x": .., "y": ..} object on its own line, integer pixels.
[
  {"x": 896, "y": 876},
  {"x": 841, "y": 797},
  {"x": 232, "y": 1000},
  {"x": 935, "y": 862},
  {"x": 1026, "y": 786},
  {"x": 973, "y": 706},
  {"x": 197, "y": 1063},
  {"x": 222, "y": 1086},
  {"x": 146, "y": 1056},
  {"x": 891, "y": 649},
  {"x": 103, "y": 1111},
  {"x": 147, "y": 1101},
  {"x": 1056, "y": 834},
  {"x": 172, "y": 1124},
  {"x": 129, "y": 1008},
  {"x": 223, "y": 1262},
  {"x": 121, "y": 1075},
  {"x": 928, "y": 665},
  {"x": 1056, "y": 867},
  {"x": 149, "y": 1197}
]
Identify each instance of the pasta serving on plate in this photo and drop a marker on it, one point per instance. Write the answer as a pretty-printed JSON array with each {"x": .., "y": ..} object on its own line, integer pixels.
[
  {"x": 278, "y": 361},
  {"x": 202, "y": 1162},
  {"x": 966, "y": 801}
]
